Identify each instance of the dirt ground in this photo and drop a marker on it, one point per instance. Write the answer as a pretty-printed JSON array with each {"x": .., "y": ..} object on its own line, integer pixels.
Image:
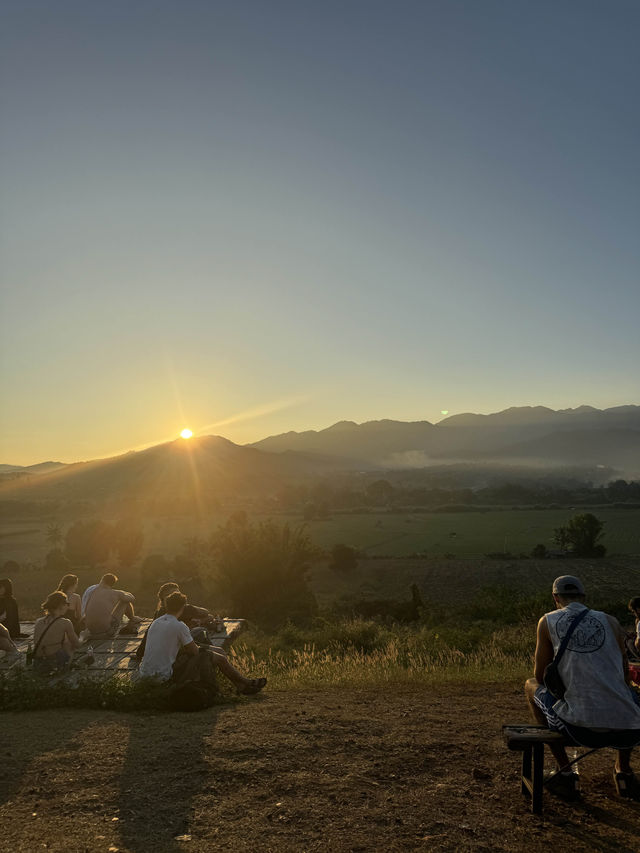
[{"x": 343, "y": 770}]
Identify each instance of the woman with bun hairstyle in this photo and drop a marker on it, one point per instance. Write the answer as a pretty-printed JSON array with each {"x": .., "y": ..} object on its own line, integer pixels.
[{"x": 53, "y": 635}]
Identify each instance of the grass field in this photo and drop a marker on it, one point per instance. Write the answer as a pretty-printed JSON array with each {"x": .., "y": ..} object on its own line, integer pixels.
[
  {"x": 468, "y": 534},
  {"x": 375, "y": 534}
]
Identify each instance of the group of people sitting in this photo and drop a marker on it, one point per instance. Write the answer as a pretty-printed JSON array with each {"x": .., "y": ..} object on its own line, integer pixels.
[{"x": 175, "y": 647}]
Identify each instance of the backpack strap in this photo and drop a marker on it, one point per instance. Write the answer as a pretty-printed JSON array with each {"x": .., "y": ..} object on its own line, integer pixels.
[
  {"x": 37, "y": 646},
  {"x": 567, "y": 636}
]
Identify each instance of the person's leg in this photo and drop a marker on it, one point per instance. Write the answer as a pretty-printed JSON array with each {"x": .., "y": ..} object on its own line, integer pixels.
[
  {"x": 6, "y": 643},
  {"x": 243, "y": 684},
  {"x": 623, "y": 764},
  {"x": 530, "y": 688},
  {"x": 129, "y": 612}
]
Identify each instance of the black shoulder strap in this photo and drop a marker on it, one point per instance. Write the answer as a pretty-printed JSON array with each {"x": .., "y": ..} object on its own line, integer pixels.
[
  {"x": 43, "y": 633},
  {"x": 567, "y": 636}
]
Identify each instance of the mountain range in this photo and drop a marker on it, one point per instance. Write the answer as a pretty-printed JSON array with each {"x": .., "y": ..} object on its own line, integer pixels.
[
  {"x": 528, "y": 434},
  {"x": 203, "y": 470}
]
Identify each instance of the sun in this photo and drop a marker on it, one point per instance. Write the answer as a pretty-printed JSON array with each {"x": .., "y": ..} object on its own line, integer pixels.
[{"x": 186, "y": 433}]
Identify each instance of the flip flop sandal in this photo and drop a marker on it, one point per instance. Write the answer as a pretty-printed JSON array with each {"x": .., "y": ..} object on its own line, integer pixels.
[{"x": 254, "y": 686}]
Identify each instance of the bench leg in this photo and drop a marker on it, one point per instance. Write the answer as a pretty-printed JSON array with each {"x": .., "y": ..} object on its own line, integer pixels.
[
  {"x": 526, "y": 770},
  {"x": 538, "y": 776},
  {"x": 533, "y": 775}
]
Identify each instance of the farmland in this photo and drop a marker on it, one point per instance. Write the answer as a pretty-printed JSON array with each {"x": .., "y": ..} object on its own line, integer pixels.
[{"x": 461, "y": 535}]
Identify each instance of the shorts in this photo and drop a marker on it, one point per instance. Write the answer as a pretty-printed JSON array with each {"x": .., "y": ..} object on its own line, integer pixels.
[{"x": 545, "y": 701}]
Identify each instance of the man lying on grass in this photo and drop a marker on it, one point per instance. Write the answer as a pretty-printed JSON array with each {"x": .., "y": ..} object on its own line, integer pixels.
[
  {"x": 598, "y": 707},
  {"x": 171, "y": 653}
]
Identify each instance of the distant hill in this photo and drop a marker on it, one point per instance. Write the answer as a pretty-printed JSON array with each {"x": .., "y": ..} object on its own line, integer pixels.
[
  {"x": 610, "y": 437},
  {"x": 191, "y": 474},
  {"x": 39, "y": 468}
]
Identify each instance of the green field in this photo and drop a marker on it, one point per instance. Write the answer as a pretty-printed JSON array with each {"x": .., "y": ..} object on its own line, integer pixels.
[
  {"x": 468, "y": 534},
  {"x": 462, "y": 534}
]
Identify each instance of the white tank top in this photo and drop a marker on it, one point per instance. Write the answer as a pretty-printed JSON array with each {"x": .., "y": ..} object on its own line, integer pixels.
[{"x": 597, "y": 696}]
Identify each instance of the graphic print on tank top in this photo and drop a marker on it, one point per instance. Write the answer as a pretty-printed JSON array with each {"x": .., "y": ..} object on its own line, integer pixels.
[{"x": 588, "y": 637}]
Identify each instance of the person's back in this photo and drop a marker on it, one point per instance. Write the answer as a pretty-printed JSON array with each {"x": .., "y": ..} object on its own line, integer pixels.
[
  {"x": 100, "y": 608},
  {"x": 164, "y": 639},
  {"x": 597, "y": 695},
  {"x": 56, "y": 632}
]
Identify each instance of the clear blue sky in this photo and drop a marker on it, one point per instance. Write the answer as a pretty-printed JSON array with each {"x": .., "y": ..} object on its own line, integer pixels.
[{"x": 248, "y": 217}]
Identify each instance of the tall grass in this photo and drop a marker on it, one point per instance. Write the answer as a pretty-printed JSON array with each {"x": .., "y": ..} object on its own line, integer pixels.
[{"x": 357, "y": 652}]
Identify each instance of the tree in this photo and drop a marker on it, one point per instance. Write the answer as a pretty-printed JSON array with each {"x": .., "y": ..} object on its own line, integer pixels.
[
  {"x": 128, "y": 539},
  {"x": 539, "y": 552},
  {"x": 343, "y": 558},
  {"x": 380, "y": 492},
  {"x": 54, "y": 536},
  {"x": 55, "y": 561},
  {"x": 263, "y": 570},
  {"x": 581, "y": 535},
  {"x": 89, "y": 542}
]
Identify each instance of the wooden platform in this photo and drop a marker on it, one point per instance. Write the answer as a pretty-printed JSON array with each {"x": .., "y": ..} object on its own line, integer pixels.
[{"x": 117, "y": 654}]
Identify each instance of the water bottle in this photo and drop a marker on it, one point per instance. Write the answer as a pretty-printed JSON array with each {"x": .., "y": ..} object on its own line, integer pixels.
[{"x": 90, "y": 657}]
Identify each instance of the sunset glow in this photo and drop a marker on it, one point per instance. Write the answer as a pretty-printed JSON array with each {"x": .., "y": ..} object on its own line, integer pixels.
[{"x": 186, "y": 433}]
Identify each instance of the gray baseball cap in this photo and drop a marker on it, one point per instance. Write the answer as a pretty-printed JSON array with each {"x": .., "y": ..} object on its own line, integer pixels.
[{"x": 568, "y": 585}]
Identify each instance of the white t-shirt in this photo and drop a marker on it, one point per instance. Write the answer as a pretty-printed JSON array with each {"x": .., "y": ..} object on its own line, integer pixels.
[{"x": 165, "y": 637}]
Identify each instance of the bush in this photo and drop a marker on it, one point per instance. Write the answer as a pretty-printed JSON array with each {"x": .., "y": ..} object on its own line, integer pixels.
[
  {"x": 343, "y": 558},
  {"x": 89, "y": 542},
  {"x": 263, "y": 570},
  {"x": 56, "y": 561}
]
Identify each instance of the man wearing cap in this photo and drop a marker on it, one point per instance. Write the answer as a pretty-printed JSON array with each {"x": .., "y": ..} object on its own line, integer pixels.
[{"x": 598, "y": 707}]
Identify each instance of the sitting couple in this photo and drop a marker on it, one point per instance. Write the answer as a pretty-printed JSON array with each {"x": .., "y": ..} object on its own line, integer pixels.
[{"x": 169, "y": 651}]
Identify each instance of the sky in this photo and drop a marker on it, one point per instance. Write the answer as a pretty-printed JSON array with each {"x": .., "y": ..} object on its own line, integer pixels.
[{"x": 248, "y": 217}]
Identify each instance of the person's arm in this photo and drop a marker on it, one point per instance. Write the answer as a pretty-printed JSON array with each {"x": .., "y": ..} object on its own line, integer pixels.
[
  {"x": 71, "y": 635},
  {"x": 191, "y": 648},
  {"x": 77, "y": 606},
  {"x": 125, "y": 596},
  {"x": 544, "y": 650}
]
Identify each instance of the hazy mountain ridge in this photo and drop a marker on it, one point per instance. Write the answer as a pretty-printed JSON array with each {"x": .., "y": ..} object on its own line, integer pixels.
[
  {"x": 528, "y": 432},
  {"x": 197, "y": 473}
]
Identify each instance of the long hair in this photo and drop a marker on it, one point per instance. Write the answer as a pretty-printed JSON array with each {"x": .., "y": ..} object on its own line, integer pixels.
[
  {"x": 67, "y": 582},
  {"x": 165, "y": 590},
  {"x": 8, "y": 587}
]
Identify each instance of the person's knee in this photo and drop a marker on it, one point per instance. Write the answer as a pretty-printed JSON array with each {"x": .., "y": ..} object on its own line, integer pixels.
[{"x": 530, "y": 687}]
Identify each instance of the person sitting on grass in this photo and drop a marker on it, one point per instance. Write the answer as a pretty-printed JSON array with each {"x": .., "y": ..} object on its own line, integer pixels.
[
  {"x": 69, "y": 585},
  {"x": 53, "y": 636},
  {"x": 7, "y": 645},
  {"x": 9, "y": 609},
  {"x": 172, "y": 654},
  {"x": 599, "y": 707},
  {"x": 105, "y": 608}
]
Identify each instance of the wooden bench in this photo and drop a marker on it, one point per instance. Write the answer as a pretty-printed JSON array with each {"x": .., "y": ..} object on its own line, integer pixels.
[
  {"x": 117, "y": 654},
  {"x": 530, "y": 740}
]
